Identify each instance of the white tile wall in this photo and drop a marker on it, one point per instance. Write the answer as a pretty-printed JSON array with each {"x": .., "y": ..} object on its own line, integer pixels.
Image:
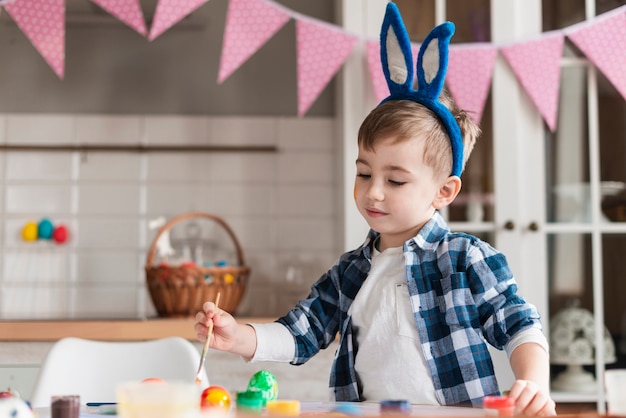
[
  {"x": 101, "y": 129},
  {"x": 40, "y": 129},
  {"x": 279, "y": 204},
  {"x": 171, "y": 130}
]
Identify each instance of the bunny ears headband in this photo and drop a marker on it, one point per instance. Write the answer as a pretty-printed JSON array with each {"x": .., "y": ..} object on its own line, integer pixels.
[{"x": 432, "y": 63}]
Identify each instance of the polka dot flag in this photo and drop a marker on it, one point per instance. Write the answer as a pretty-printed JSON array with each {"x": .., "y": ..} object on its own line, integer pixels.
[
  {"x": 321, "y": 51},
  {"x": 170, "y": 12},
  {"x": 536, "y": 64},
  {"x": 43, "y": 23},
  {"x": 249, "y": 25},
  {"x": 470, "y": 67},
  {"x": 127, "y": 11},
  {"x": 381, "y": 90},
  {"x": 603, "y": 41}
]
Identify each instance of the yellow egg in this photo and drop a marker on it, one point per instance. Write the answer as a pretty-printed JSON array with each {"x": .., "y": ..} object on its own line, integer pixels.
[
  {"x": 29, "y": 231},
  {"x": 229, "y": 278}
]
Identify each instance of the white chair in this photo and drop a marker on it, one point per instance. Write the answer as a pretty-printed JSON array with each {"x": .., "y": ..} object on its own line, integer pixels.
[{"x": 93, "y": 369}]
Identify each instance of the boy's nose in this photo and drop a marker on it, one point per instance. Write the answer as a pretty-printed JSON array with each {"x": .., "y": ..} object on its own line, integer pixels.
[{"x": 375, "y": 192}]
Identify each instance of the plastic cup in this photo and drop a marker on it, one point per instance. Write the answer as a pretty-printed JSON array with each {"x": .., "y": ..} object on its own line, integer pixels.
[
  {"x": 615, "y": 382},
  {"x": 158, "y": 400},
  {"x": 65, "y": 406}
]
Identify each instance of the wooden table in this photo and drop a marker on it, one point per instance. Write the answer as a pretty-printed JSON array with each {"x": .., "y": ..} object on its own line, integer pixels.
[{"x": 109, "y": 330}]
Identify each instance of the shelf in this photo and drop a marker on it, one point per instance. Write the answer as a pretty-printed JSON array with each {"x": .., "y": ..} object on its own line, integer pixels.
[
  {"x": 136, "y": 148},
  {"x": 109, "y": 330}
]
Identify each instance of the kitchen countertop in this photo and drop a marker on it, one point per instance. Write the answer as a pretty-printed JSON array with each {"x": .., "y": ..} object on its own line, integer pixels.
[{"x": 111, "y": 330}]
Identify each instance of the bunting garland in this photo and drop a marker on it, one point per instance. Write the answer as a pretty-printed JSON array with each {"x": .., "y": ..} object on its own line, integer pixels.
[
  {"x": 322, "y": 48},
  {"x": 602, "y": 41},
  {"x": 469, "y": 76},
  {"x": 43, "y": 23},
  {"x": 170, "y": 12},
  {"x": 127, "y": 11},
  {"x": 536, "y": 66},
  {"x": 249, "y": 25}
]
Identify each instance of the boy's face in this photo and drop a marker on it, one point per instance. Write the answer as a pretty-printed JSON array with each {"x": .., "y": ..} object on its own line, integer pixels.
[{"x": 395, "y": 190}]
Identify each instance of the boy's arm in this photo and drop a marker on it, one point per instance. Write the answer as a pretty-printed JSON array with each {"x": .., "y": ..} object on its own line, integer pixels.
[{"x": 531, "y": 390}]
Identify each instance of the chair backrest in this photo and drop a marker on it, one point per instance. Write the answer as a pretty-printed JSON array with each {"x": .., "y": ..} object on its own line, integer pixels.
[{"x": 93, "y": 369}]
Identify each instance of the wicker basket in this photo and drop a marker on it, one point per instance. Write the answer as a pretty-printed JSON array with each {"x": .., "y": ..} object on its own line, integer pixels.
[{"x": 180, "y": 291}]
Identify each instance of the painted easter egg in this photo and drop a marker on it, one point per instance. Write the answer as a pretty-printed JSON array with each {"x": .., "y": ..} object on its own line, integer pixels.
[
  {"x": 45, "y": 229},
  {"x": 60, "y": 234},
  {"x": 29, "y": 231},
  {"x": 266, "y": 383},
  {"x": 215, "y": 396}
]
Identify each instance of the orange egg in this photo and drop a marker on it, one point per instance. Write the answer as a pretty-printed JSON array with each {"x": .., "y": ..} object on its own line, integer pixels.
[{"x": 215, "y": 396}]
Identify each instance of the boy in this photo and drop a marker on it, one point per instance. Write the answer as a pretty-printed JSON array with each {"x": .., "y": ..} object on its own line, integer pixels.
[{"x": 415, "y": 305}]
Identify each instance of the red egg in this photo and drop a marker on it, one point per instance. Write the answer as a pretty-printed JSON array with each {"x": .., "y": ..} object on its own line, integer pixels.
[
  {"x": 60, "y": 234},
  {"x": 215, "y": 396}
]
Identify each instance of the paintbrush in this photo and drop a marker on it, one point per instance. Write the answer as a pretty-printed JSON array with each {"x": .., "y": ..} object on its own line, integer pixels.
[{"x": 205, "y": 347}]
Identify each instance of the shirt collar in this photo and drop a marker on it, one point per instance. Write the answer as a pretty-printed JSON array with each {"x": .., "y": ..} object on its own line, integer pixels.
[{"x": 427, "y": 238}]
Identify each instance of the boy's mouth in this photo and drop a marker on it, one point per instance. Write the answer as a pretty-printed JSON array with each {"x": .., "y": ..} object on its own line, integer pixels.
[{"x": 375, "y": 213}]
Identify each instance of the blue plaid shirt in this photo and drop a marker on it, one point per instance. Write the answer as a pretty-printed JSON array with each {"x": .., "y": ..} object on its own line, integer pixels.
[{"x": 463, "y": 295}]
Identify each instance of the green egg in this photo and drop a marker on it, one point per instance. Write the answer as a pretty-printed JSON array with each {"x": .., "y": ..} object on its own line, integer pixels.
[{"x": 265, "y": 382}]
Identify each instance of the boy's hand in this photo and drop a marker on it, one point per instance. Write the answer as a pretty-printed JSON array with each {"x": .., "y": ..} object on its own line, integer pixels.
[
  {"x": 224, "y": 327},
  {"x": 531, "y": 400}
]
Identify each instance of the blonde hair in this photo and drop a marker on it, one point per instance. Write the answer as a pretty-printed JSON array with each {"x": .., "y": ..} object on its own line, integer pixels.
[{"x": 405, "y": 119}]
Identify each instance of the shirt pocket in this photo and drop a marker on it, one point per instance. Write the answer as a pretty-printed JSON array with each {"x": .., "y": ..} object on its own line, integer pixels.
[
  {"x": 457, "y": 302},
  {"x": 404, "y": 313}
]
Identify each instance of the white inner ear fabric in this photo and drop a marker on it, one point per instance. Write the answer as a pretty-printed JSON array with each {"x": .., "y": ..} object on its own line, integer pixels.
[
  {"x": 430, "y": 60},
  {"x": 395, "y": 59}
]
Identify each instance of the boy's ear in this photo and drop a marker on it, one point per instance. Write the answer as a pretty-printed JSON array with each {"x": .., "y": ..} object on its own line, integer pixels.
[{"x": 447, "y": 192}]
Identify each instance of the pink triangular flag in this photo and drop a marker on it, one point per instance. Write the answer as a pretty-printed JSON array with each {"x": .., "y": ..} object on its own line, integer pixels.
[
  {"x": 470, "y": 67},
  {"x": 602, "y": 40},
  {"x": 381, "y": 90},
  {"x": 321, "y": 51},
  {"x": 43, "y": 23},
  {"x": 536, "y": 64},
  {"x": 170, "y": 12},
  {"x": 249, "y": 25},
  {"x": 127, "y": 11}
]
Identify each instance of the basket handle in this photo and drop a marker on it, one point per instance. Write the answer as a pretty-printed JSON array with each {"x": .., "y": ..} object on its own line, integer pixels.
[{"x": 169, "y": 224}]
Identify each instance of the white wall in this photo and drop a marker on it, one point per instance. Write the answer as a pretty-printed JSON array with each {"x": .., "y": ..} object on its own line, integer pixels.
[{"x": 280, "y": 205}]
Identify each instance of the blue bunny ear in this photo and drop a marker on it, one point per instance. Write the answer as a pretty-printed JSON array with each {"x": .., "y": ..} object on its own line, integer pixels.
[
  {"x": 432, "y": 61},
  {"x": 432, "y": 64},
  {"x": 395, "y": 52}
]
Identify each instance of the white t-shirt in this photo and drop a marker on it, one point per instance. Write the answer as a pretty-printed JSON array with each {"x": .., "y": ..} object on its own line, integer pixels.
[{"x": 389, "y": 345}]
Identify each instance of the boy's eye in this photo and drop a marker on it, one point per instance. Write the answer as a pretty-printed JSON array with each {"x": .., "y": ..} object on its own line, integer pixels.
[
  {"x": 397, "y": 183},
  {"x": 364, "y": 176}
]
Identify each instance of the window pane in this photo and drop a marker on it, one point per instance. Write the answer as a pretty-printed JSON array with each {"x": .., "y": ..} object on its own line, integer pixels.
[
  {"x": 559, "y": 14},
  {"x": 612, "y": 125},
  {"x": 472, "y": 20}
]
